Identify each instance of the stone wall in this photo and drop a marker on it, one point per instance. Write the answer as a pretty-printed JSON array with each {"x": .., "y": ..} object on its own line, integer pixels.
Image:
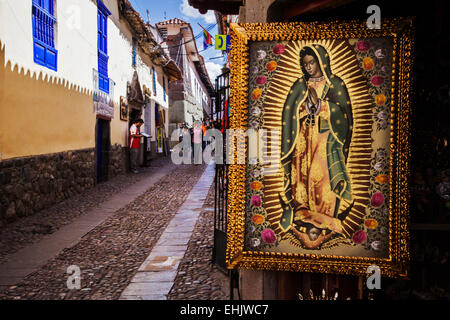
[
  {"x": 118, "y": 160},
  {"x": 30, "y": 184}
]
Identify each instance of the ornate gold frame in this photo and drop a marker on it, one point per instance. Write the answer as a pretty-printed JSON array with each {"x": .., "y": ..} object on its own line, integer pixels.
[{"x": 400, "y": 30}]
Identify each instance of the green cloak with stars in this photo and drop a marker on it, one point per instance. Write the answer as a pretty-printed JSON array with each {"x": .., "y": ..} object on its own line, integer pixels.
[{"x": 339, "y": 124}]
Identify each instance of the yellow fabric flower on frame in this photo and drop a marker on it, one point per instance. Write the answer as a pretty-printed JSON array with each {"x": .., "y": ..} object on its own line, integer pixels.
[
  {"x": 368, "y": 64},
  {"x": 256, "y": 185},
  {"x": 258, "y": 219},
  {"x": 256, "y": 94}
]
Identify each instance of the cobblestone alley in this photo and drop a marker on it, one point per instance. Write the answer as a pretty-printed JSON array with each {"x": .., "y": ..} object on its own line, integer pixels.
[{"x": 116, "y": 235}]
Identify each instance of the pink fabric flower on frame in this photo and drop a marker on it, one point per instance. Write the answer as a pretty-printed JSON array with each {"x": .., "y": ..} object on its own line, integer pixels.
[
  {"x": 261, "y": 80},
  {"x": 377, "y": 200},
  {"x": 278, "y": 49},
  {"x": 377, "y": 80},
  {"x": 256, "y": 201},
  {"x": 359, "y": 237},
  {"x": 268, "y": 235},
  {"x": 363, "y": 46}
]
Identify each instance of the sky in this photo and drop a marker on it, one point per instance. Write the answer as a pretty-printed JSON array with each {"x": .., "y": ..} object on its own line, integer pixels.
[{"x": 161, "y": 10}]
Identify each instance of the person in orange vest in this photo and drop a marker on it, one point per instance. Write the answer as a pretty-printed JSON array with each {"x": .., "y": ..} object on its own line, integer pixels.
[{"x": 204, "y": 128}]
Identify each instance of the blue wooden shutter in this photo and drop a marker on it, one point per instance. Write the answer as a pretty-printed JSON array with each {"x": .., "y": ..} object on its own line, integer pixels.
[
  {"x": 134, "y": 53},
  {"x": 164, "y": 88},
  {"x": 102, "y": 46},
  {"x": 154, "y": 81},
  {"x": 43, "y": 19}
]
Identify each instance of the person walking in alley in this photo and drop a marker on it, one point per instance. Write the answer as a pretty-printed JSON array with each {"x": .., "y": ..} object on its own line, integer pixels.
[
  {"x": 198, "y": 139},
  {"x": 186, "y": 140},
  {"x": 204, "y": 128},
  {"x": 135, "y": 143}
]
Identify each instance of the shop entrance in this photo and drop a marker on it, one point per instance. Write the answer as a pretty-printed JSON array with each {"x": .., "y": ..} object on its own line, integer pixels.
[
  {"x": 102, "y": 148},
  {"x": 134, "y": 115}
]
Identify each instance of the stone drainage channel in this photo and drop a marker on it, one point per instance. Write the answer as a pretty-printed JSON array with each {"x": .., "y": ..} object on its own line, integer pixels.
[{"x": 156, "y": 275}]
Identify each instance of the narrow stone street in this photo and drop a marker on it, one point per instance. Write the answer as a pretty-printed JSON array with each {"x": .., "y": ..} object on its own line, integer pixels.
[{"x": 109, "y": 232}]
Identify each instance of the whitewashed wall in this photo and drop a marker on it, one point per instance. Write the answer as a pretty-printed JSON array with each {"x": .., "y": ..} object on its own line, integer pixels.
[
  {"x": 76, "y": 42},
  {"x": 76, "y": 38}
]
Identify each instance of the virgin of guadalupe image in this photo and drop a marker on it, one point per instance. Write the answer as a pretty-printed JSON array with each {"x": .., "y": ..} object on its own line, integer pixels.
[{"x": 317, "y": 124}]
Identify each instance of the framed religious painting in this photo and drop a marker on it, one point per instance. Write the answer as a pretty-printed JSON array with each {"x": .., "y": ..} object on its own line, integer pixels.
[
  {"x": 318, "y": 175},
  {"x": 123, "y": 109}
]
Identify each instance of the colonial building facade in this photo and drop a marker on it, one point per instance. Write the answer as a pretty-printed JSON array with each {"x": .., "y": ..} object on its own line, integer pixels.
[
  {"x": 73, "y": 76},
  {"x": 190, "y": 96}
]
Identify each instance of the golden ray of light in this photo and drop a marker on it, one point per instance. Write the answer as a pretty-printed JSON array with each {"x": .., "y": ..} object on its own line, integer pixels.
[
  {"x": 358, "y": 91},
  {"x": 280, "y": 90},
  {"x": 271, "y": 111},
  {"x": 364, "y": 113},
  {"x": 273, "y": 118},
  {"x": 349, "y": 73},
  {"x": 362, "y": 149},
  {"x": 276, "y": 179},
  {"x": 291, "y": 55},
  {"x": 290, "y": 60},
  {"x": 345, "y": 56},
  {"x": 280, "y": 86},
  {"x": 361, "y": 83},
  {"x": 289, "y": 67},
  {"x": 278, "y": 211},
  {"x": 362, "y": 99},
  {"x": 348, "y": 79},
  {"x": 348, "y": 66},
  {"x": 276, "y": 99},
  {"x": 337, "y": 53},
  {"x": 287, "y": 84},
  {"x": 291, "y": 63},
  {"x": 279, "y": 95},
  {"x": 333, "y": 50},
  {"x": 274, "y": 95},
  {"x": 271, "y": 115},
  {"x": 269, "y": 202},
  {"x": 295, "y": 46},
  {"x": 287, "y": 77}
]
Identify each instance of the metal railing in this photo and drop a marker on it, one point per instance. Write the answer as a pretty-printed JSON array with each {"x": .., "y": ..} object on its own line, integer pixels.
[{"x": 220, "y": 115}]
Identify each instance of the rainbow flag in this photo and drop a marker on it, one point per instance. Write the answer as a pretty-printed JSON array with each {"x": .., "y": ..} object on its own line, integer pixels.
[{"x": 207, "y": 39}]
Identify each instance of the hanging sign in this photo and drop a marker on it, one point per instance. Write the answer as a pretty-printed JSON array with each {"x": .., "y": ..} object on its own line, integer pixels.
[
  {"x": 160, "y": 140},
  {"x": 103, "y": 102},
  {"x": 223, "y": 42}
]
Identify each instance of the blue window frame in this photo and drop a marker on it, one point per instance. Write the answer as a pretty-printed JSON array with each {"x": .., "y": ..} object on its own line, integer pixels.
[
  {"x": 154, "y": 81},
  {"x": 102, "y": 46},
  {"x": 134, "y": 53},
  {"x": 43, "y": 16},
  {"x": 164, "y": 88}
]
